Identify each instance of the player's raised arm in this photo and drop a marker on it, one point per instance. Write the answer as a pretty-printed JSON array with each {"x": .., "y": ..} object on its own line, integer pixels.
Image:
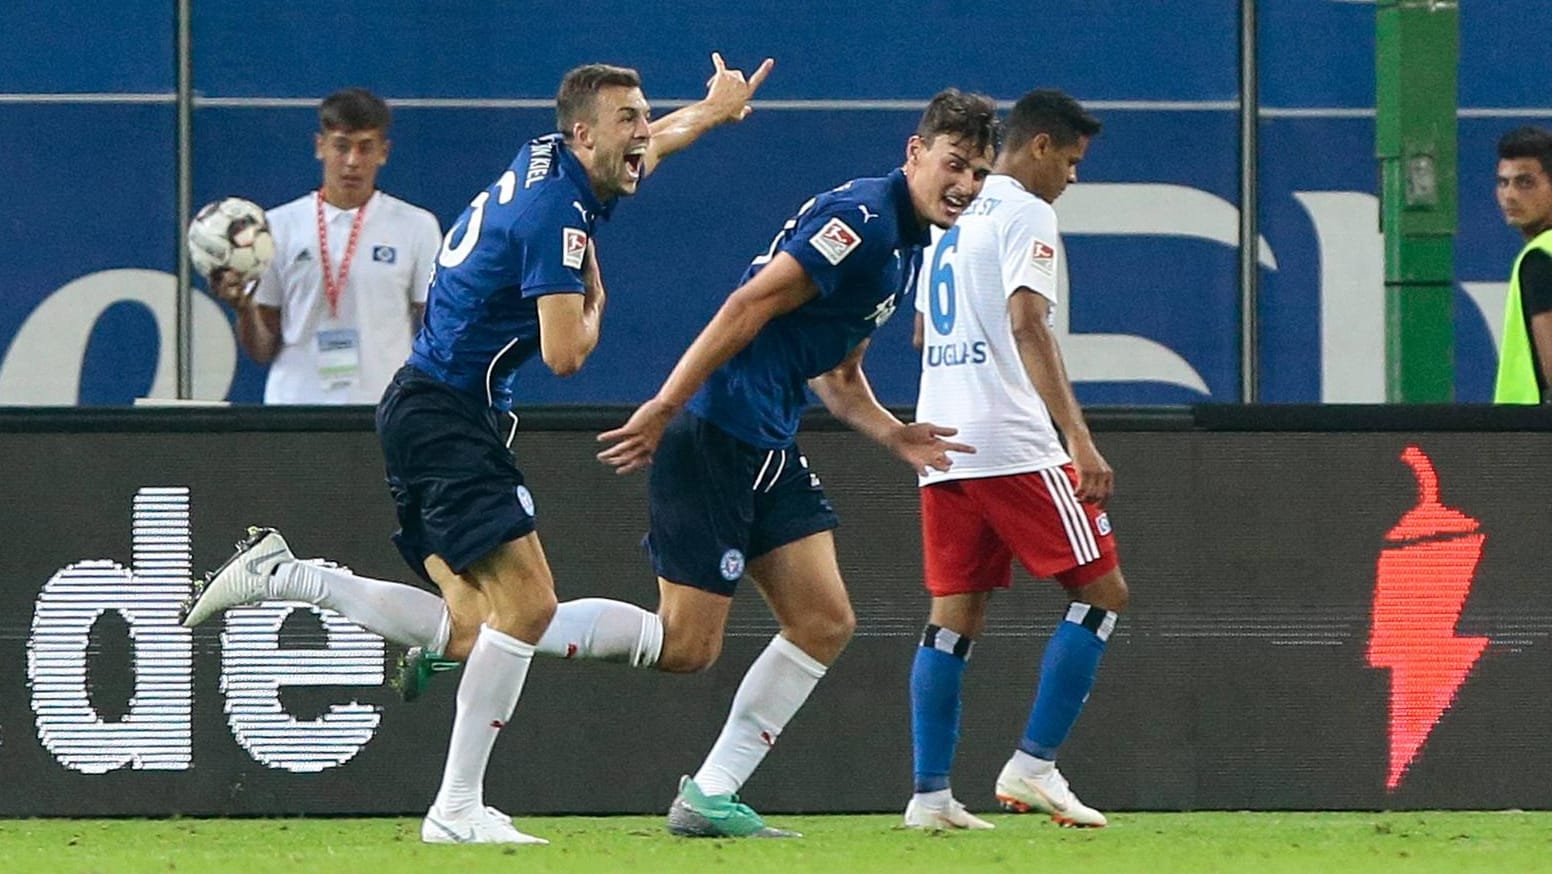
[
  {"x": 781, "y": 287},
  {"x": 727, "y": 99},
  {"x": 846, "y": 393}
]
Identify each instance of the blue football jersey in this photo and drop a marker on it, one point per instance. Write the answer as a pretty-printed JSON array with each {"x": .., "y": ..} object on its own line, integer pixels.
[
  {"x": 861, "y": 244},
  {"x": 520, "y": 239}
]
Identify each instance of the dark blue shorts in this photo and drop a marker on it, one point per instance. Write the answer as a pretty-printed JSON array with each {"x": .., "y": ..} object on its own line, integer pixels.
[
  {"x": 458, "y": 491},
  {"x": 717, "y": 502}
]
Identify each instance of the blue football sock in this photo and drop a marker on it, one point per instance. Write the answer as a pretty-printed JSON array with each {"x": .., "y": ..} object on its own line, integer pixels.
[
  {"x": 936, "y": 677},
  {"x": 1066, "y": 676}
]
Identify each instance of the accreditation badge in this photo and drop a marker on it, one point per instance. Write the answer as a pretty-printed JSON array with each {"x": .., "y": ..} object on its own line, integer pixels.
[{"x": 339, "y": 358}]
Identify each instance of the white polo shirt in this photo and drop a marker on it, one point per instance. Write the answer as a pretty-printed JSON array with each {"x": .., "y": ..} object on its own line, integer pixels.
[
  {"x": 373, "y": 326},
  {"x": 972, "y": 378}
]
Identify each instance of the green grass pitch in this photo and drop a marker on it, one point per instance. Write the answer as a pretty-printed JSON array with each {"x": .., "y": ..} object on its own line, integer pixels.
[{"x": 1259, "y": 843}]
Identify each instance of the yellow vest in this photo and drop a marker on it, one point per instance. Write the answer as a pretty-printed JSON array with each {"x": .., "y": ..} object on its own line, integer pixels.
[{"x": 1517, "y": 362}]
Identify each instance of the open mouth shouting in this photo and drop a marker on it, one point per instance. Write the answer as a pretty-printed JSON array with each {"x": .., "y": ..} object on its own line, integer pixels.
[{"x": 635, "y": 160}]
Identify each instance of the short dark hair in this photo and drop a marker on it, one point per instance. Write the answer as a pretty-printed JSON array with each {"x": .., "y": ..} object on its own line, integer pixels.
[
  {"x": 1527, "y": 142},
  {"x": 353, "y": 109},
  {"x": 580, "y": 87},
  {"x": 1050, "y": 112},
  {"x": 963, "y": 116}
]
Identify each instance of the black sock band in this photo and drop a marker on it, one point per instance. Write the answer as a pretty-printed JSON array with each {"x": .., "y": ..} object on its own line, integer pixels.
[
  {"x": 942, "y": 639},
  {"x": 1095, "y": 619}
]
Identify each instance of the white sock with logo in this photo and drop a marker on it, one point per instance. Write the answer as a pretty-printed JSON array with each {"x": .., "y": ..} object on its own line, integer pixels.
[
  {"x": 399, "y": 612},
  {"x": 603, "y": 630},
  {"x": 492, "y": 681},
  {"x": 776, "y": 685}
]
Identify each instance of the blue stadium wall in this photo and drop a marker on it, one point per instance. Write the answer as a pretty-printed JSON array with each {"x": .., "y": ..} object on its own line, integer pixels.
[{"x": 87, "y": 205}]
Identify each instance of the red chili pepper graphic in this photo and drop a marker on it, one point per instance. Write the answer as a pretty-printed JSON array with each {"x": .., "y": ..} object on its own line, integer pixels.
[{"x": 1421, "y": 582}]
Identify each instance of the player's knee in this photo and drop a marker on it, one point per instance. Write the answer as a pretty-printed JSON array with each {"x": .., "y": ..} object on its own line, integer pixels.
[
  {"x": 823, "y": 633},
  {"x": 1107, "y": 593},
  {"x": 688, "y": 652},
  {"x": 844, "y": 626},
  {"x": 524, "y": 618},
  {"x": 1123, "y": 598}
]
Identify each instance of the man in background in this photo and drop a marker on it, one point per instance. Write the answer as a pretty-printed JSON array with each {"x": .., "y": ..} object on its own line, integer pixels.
[
  {"x": 1525, "y": 196},
  {"x": 334, "y": 313}
]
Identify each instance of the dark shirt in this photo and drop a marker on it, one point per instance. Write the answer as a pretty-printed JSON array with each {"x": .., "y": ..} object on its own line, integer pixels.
[{"x": 1535, "y": 298}]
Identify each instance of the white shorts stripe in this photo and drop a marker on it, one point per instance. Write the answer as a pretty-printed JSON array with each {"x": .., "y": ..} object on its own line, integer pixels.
[
  {"x": 1080, "y": 519},
  {"x": 779, "y": 468},
  {"x": 761, "y": 475},
  {"x": 1061, "y": 510},
  {"x": 1084, "y": 549}
]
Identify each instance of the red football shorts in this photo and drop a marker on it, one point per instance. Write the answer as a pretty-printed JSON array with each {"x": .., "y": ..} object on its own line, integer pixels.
[{"x": 972, "y": 529}]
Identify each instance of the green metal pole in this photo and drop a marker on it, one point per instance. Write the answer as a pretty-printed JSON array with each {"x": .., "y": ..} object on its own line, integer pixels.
[{"x": 1417, "y": 54}]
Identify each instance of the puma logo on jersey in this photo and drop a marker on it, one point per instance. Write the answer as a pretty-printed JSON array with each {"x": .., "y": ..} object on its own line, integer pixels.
[{"x": 867, "y": 215}]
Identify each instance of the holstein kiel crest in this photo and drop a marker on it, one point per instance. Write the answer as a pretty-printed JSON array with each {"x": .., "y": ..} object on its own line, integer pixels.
[{"x": 731, "y": 565}]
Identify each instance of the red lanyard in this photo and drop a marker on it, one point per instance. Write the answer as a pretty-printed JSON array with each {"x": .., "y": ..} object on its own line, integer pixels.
[{"x": 333, "y": 286}]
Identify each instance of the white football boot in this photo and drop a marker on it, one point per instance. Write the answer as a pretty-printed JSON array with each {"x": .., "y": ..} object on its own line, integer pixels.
[
  {"x": 242, "y": 579},
  {"x": 483, "y": 825},
  {"x": 1047, "y": 793},
  {"x": 951, "y": 815}
]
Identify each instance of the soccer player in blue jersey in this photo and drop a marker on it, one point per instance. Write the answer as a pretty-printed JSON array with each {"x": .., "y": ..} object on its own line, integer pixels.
[
  {"x": 516, "y": 277},
  {"x": 731, "y": 493}
]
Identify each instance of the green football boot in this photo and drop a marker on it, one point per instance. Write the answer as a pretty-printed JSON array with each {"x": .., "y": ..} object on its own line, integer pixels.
[
  {"x": 416, "y": 668},
  {"x": 695, "y": 814}
]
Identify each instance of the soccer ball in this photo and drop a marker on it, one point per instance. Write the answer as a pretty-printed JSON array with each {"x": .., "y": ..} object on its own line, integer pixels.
[{"x": 231, "y": 234}]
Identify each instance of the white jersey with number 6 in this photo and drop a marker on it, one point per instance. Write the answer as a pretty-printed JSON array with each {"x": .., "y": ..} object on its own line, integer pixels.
[{"x": 972, "y": 378}]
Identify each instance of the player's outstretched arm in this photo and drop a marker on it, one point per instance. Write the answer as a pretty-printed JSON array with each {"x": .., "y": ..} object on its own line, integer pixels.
[
  {"x": 780, "y": 287},
  {"x": 1042, "y": 360},
  {"x": 727, "y": 99},
  {"x": 847, "y": 394}
]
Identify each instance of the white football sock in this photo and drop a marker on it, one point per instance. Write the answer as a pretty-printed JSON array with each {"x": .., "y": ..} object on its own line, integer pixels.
[
  {"x": 1025, "y": 765},
  {"x": 401, "y": 613},
  {"x": 492, "y": 680},
  {"x": 776, "y": 685},
  {"x": 604, "y": 630},
  {"x": 937, "y": 799}
]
